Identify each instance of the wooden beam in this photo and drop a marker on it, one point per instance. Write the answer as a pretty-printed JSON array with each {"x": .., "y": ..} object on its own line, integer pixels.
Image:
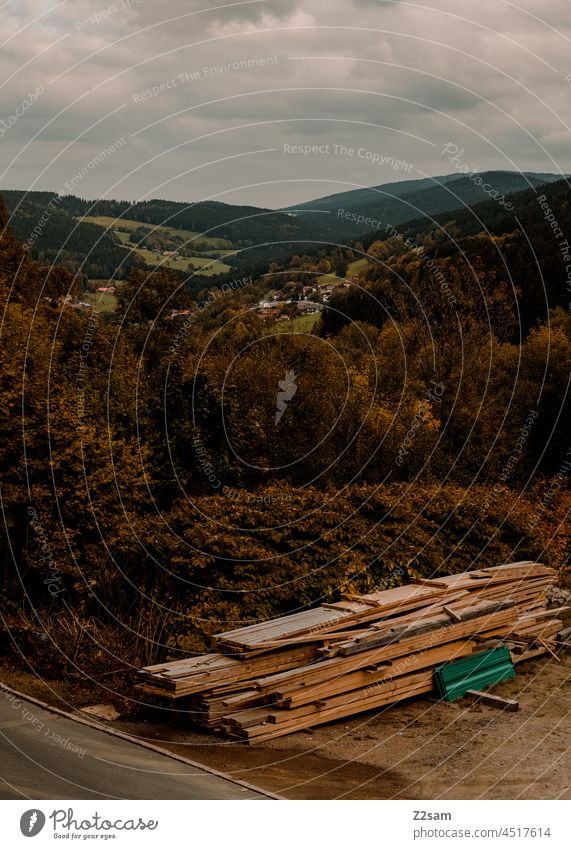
[
  {"x": 453, "y": 614},
  {"x": 544, "y": 644},
  {"x": 493, "y": 701}
]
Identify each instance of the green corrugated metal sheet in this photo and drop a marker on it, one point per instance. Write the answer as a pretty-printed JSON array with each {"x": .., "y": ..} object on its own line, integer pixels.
[{"x": 473, "y": 672}]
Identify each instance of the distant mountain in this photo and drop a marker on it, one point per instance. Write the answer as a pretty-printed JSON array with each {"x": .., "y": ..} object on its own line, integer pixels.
[
  {"x": 395, "y": 203},
  {"x": 493, "y": 217},
  {"x": 357, "y": 198}
]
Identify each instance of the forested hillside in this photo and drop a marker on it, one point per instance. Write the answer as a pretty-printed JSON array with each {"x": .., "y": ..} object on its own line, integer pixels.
[
  {"x": 525, "y": 250},
  {"x": 53, "y": 227},
  {"x": 241, "y": 225},
  {"x": 55, "y": 237},
  {"x": 231, "y": 472}
]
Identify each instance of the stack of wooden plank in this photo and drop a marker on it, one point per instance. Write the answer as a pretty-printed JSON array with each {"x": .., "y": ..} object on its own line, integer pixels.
[{"x": 363, "y": 652}]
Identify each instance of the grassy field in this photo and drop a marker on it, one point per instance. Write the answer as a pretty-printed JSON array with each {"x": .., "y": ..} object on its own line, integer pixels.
[
  {"x": 353, "y": 268},
  {"x": 123, "y": 237},
  {"x": 301, "y": 324},
  {"x": 128, "y": 223},
  {"x": 102, "y": 301},
  {"x": 357, "y": 265},
  {"x": 329, "y": 280},
  {"x": 207, "y": 265}
]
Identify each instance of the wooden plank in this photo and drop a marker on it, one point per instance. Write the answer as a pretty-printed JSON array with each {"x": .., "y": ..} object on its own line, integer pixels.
[
  {"x": 551, "y": 652},
  {"x": 270, "y": 731},
  {"x": 322, "y": 670},
  {"x": 542, "y": 629},
  {"x": 453, "y": 614},
  {"x": 388, "y": 615},
  {"x": 529, "y": 655},
  {"x": 399, "y": 595},
  {"x": 363, "y": 694},
  {"x": 438, "y": 625},
  {"x": 285, "y": 626},
  {"x": 492, "y": 701},
  {"x": 239, "y": 671},
  {"x": 430, "y": 657},
  {"x": 430, "y": 582}
]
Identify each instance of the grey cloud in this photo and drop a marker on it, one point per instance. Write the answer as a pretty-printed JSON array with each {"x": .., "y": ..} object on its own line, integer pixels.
[
  {"x": 322, "y": 90},
  {"x": 198, "y": 14}
]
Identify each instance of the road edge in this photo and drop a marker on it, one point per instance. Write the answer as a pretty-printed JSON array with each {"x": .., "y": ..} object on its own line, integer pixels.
[{"x": 143, "y": 743}]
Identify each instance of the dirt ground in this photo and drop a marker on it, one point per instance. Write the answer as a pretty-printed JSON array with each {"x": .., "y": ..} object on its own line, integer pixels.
[{"x": 420, "y": 749}]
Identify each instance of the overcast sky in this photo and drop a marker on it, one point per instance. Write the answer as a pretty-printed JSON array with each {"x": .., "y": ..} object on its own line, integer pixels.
[{"x": 393, "y": 81}]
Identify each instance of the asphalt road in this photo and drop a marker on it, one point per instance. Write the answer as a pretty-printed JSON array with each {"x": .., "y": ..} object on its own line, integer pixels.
[{"x": 47, "y": 756}]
